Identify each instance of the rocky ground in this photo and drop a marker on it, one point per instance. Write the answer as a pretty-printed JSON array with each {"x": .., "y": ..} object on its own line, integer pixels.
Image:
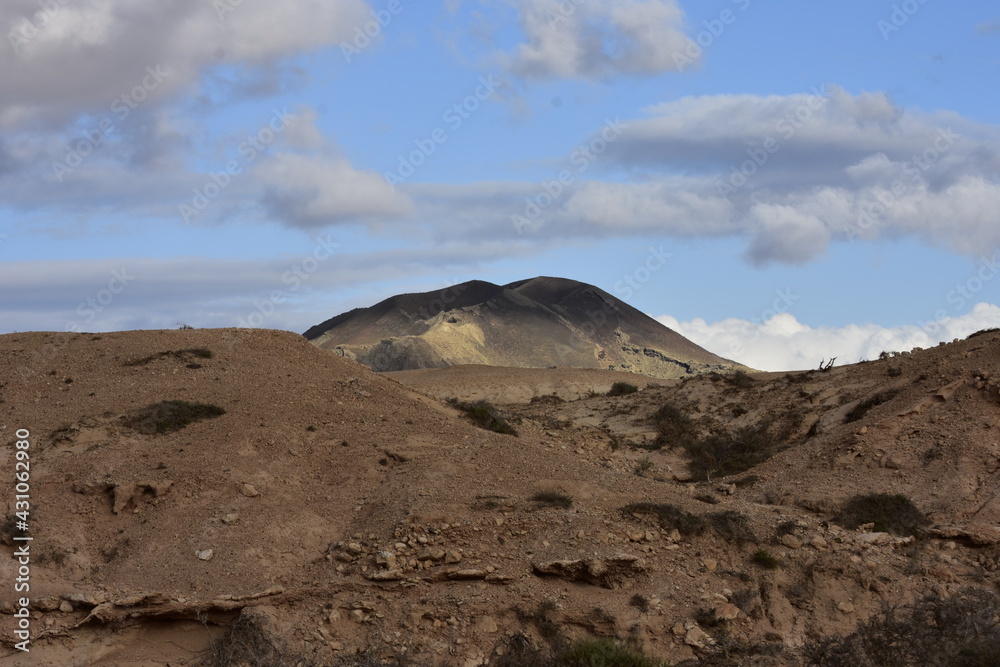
[{"x": 331, "y": 510}]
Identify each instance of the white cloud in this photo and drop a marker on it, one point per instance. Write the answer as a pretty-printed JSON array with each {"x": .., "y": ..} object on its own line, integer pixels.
[
  {"x": 782, "y": 343},
  {"x": 593, "y": 40},
  {"x": 319, "y": 190},
  {"x": 79, "y": 56},
  {"x": 801, "y": 171},
  {"x": 291, "y": 292}
]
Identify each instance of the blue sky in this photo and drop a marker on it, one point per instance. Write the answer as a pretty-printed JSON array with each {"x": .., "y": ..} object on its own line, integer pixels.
[{"x": 781, "y": 182}]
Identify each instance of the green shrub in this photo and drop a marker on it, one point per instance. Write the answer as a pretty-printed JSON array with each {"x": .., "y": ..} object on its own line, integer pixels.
[
  {"x": 553, "y": 498},
  {"x": 889, "y": 513},
  {"x": 765, "y": 559},
  {"x": 602, "y": 652},
  {"x": 729, "y": 452},
  {"x": 485, "y": 416},
  {"x": 670, "y": 517},
  {"x": 622, "y": 389},
  {"x": 674, "y": 427},
  {"x": 643, "y": 466},
  {"x": 170, "y": 416}
]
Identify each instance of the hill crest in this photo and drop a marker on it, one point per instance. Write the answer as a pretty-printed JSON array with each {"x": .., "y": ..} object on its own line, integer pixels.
[{"x": 534, "y": 323}]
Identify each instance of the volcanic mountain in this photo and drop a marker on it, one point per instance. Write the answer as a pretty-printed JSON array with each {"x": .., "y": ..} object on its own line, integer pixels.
[{"x": 537, "y": 323}]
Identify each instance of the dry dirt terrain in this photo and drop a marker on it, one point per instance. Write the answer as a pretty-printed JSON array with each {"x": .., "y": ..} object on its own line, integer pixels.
[{"x": 331, "y": 510}]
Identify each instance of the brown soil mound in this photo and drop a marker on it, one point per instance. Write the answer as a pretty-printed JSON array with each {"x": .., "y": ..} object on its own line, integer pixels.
[{"x": 340, "y": 510}]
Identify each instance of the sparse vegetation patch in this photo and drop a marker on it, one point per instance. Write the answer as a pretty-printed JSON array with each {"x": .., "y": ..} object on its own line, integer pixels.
[
  {"x": 765, "y": 559},
  {"x": 170, "y": 416},
  {"x": 888, "y": 513},
  {"x": 552, "y": 498},
  {"x": 733, "y": 526},
  {"x": 485, "y": 416},
  {"x": 622, "y": 389},
  {"x": 862, "y": 408},
  {"x": 741, "y": 380},
  {"x": 674, "y": 427},
  {"x": 959, "y": 631},
  {"x": 187, "y": 355},
  {"x": 603, "y": 652},
  {"x": 670, "y": 517},
  {"x": 729, "y": 452}
]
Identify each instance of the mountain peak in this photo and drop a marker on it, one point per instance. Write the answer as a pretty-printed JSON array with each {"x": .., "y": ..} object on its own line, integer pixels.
[{"x": 533, "y": 323}]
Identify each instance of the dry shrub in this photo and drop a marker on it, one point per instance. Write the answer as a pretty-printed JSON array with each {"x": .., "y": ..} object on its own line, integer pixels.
[{"x": 958, "y": 631}]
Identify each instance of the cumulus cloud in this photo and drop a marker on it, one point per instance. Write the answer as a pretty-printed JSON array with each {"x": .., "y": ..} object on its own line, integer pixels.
[
  {"x": 65, "y": 58},
  {"x": 594, "y": 40},
  {"x": 782, "y": 343},
  {"x": 801, "y": 171},
  {"x": 320, "y": 190}
]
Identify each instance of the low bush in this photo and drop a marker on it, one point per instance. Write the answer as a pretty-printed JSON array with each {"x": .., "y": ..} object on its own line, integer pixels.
[
  {"x": 622, "y": 389},
  {"x": 602, "y": 652},
  {"x": 643, "y": 466},
  {"x": 249, "y": 640},
  {"x": 182, "y": 355},
  {"x": 889, "y": 513},
  {"x": 733, "y": 526},
  {"x": 673, "y": 426},
  {"x": 741, "y": 380},
  {"x": 170, "y": 416},
  {"x": 552, "y": 499},
  {"x": 670, "y": 517},
  {"x": 729, "y": 452},
  {"x": 957, "y": 631},
  {"x": 485, "y": 416},
  {"x": 862, "y": 408},
  {"x": 765, "y": 559}
]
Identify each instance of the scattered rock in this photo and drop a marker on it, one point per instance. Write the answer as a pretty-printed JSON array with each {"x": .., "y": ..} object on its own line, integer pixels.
[
  {"x": 459, "y": 575},
  {"x": 48, "y": 604},
  {"x": 946, "y": 392},
  {"x": 818, "y": 542},
  {"x": 249, "y": 490},
  {"x": 206, "y": 554},
  {"x": 791, "y": 541},
  {"x": 486, "y": 625},
  {"x": 697, "y": 638},
  {"x": 726, "y": 611},
  {"x": 603, "y": 572},
  {"x": 979, "y": 535},
  {"x": 66, "y": 606}
]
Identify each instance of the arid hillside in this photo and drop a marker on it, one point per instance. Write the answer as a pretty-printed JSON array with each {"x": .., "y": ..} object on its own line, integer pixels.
[
  {"x": 537, "y": 323},
  {"x": 206, "y": 497}
]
